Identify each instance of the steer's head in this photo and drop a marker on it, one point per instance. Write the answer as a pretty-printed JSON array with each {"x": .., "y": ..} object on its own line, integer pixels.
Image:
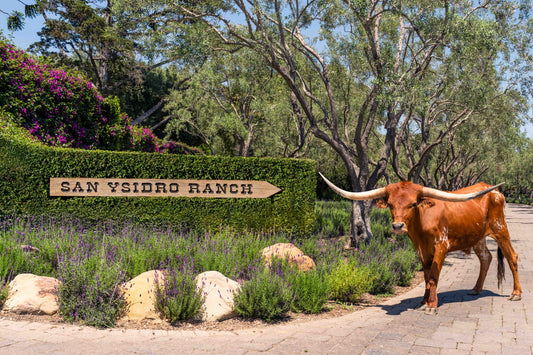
[{"x": 405, "y": 198}]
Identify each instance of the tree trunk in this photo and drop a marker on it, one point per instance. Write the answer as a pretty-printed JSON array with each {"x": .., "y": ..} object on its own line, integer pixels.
[{"x": 360, "y": 229}]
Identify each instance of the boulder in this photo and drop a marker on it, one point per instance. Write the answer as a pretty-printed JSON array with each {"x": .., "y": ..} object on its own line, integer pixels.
[
  {"x": 140, "y": 295},
  {"x": 288, "y": 251},
  {"x": 31, "y": 294},
  {"x": 218, "y": 292}
]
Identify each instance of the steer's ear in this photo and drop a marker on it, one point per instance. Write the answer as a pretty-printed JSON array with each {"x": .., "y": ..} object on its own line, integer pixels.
[
  {"x": 425, "y": 203},
  {"x": 381, "y": 203}
]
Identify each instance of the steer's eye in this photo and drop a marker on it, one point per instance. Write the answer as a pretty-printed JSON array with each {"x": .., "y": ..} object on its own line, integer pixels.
[{"x": 414, "y": 205}]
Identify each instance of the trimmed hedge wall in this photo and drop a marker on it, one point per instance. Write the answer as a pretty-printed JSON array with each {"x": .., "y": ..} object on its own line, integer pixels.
[{"x": 26, "y": 166}]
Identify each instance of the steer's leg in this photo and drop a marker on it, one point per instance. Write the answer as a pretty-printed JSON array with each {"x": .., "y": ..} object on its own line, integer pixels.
[
  {"x": 436, "y": 266},
  {"x": 423, "y": 304},
  {"x": 485, "y": 258},
  {"x": 504, "y": 242},
  {"x": 499, "y": 231}
]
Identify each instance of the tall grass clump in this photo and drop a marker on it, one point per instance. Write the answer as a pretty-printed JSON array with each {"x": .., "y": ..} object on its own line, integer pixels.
[
  {"x": 89, "y": 291},
  {"x": 177, "y": 297}
]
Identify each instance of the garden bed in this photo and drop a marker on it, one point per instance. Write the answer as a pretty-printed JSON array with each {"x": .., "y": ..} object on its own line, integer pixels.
[
  {"x": 331, "y": 310},
  {"x": 93, "y": 261}
]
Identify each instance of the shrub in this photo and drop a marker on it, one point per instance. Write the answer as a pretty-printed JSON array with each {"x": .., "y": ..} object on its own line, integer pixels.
[
  {"x": 266, "y": 296},
  {"x": 405, "y": 262},
  {"x": 378, "y": 255},
  {"x": 349, "y": 281},
  {"x": 42, "y": 99},
  {"x": 178, "y": 299},
  {"x": 381, "y": 221},
  {"x": 61, "y": 108},
  {"x": 4, "y": 292},
  {"x": 26, "y": 168},
  {"x": 393, "y": 260},
  {"x": 311, "y": 292},
  {"x": 332, "y": 218},
  {"x": 89, "y": 291},
  {"x": 12, "y": 260},
  {"x": 386, "y": 277}
]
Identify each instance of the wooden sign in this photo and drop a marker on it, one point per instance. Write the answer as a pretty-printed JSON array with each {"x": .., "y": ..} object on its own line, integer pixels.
[{"x": 161, "y": 188}]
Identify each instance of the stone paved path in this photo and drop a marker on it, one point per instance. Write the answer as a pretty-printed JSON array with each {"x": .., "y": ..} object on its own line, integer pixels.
[{"x": 483, "y": 324}]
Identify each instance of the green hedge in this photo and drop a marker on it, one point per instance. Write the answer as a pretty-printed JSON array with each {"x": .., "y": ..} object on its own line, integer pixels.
[{"x": 26, "y": 166}]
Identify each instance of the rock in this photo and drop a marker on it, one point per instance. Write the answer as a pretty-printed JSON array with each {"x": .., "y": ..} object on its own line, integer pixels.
[
  {"x": 218, "y": 292},
  {"x": 288, "y": 251},
  {"x": 140, "y": 295},
  {"x": 31, "y": 294}
]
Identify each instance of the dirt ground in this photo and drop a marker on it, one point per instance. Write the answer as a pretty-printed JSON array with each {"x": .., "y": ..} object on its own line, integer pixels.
[{"x": 331, "y": 310}]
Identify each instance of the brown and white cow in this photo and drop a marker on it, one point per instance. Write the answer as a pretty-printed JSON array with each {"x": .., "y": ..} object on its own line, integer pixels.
[{"x": 438, "y": 222}]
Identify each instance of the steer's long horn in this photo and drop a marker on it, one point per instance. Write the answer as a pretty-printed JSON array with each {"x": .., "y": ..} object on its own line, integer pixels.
[
  {"x": 453, "y": 197},
  {"x": 358, "y": 196}
]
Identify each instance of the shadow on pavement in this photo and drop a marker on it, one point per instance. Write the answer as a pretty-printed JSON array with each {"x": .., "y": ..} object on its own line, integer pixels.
[{"x": 446, "y": 297}]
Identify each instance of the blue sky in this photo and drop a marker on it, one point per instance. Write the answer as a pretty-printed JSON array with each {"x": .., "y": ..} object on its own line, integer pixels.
[{"x": 22, "y": 39}]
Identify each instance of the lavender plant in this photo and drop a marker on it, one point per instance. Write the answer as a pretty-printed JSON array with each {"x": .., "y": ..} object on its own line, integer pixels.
[
  {"x": 4, "y": 291},
  {"x": 179, "y": 299},
  {"x": 406, "y": 263},
  {"x": 311, "y": 291},
  {"x": 266, "y": 296},
  {"x": 89, "y": 291}
]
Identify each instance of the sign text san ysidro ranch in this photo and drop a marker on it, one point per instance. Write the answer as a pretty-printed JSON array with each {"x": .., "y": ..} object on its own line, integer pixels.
[{"x": 160, "y": 188}]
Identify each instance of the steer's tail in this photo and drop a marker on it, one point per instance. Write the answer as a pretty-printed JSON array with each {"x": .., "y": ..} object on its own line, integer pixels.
[{"x": 501, "y": 269}]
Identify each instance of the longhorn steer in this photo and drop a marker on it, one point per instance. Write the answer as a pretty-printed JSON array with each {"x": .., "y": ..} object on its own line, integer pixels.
[{"x": 439, "y": 222}]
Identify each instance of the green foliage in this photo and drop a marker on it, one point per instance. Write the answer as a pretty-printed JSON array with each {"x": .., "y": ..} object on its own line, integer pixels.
[
  {"x": 232, "y": 99},
  {"x": 393, "y": 261},
  {"x": 25, "y": 169},
  {"x": 405, "y": 262},
  {"x": 4, "y": 292},
  {"x": 381, "y": 222},
  {"x": 89, "y": 291},
  {"x": 12, "y": 260},
  {"x": 349, "y": 281},
  {"x": 266, "y": 296},
  {"x": 386, "y": 278},
  {"x": 517, "y": 174},
  {"x": 311, "y": 291},
  {"x": 178, "y": 298},
  {"x": 332, "y": 218},
  {"x": 93, "y": 257},
  {"x": 41, "y": 99},
  {"x": 61, "y": 108}
]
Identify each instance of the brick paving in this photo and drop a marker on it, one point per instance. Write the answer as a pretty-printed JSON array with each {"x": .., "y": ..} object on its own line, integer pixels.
[{"x": 484, "y": 324}]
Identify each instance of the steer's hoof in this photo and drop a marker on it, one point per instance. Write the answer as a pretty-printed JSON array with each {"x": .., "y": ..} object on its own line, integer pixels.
[
  {"x": 431, "y": 311},
  {"x": 473, "y": 293},
  {"x": 515, "y": 298}
]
